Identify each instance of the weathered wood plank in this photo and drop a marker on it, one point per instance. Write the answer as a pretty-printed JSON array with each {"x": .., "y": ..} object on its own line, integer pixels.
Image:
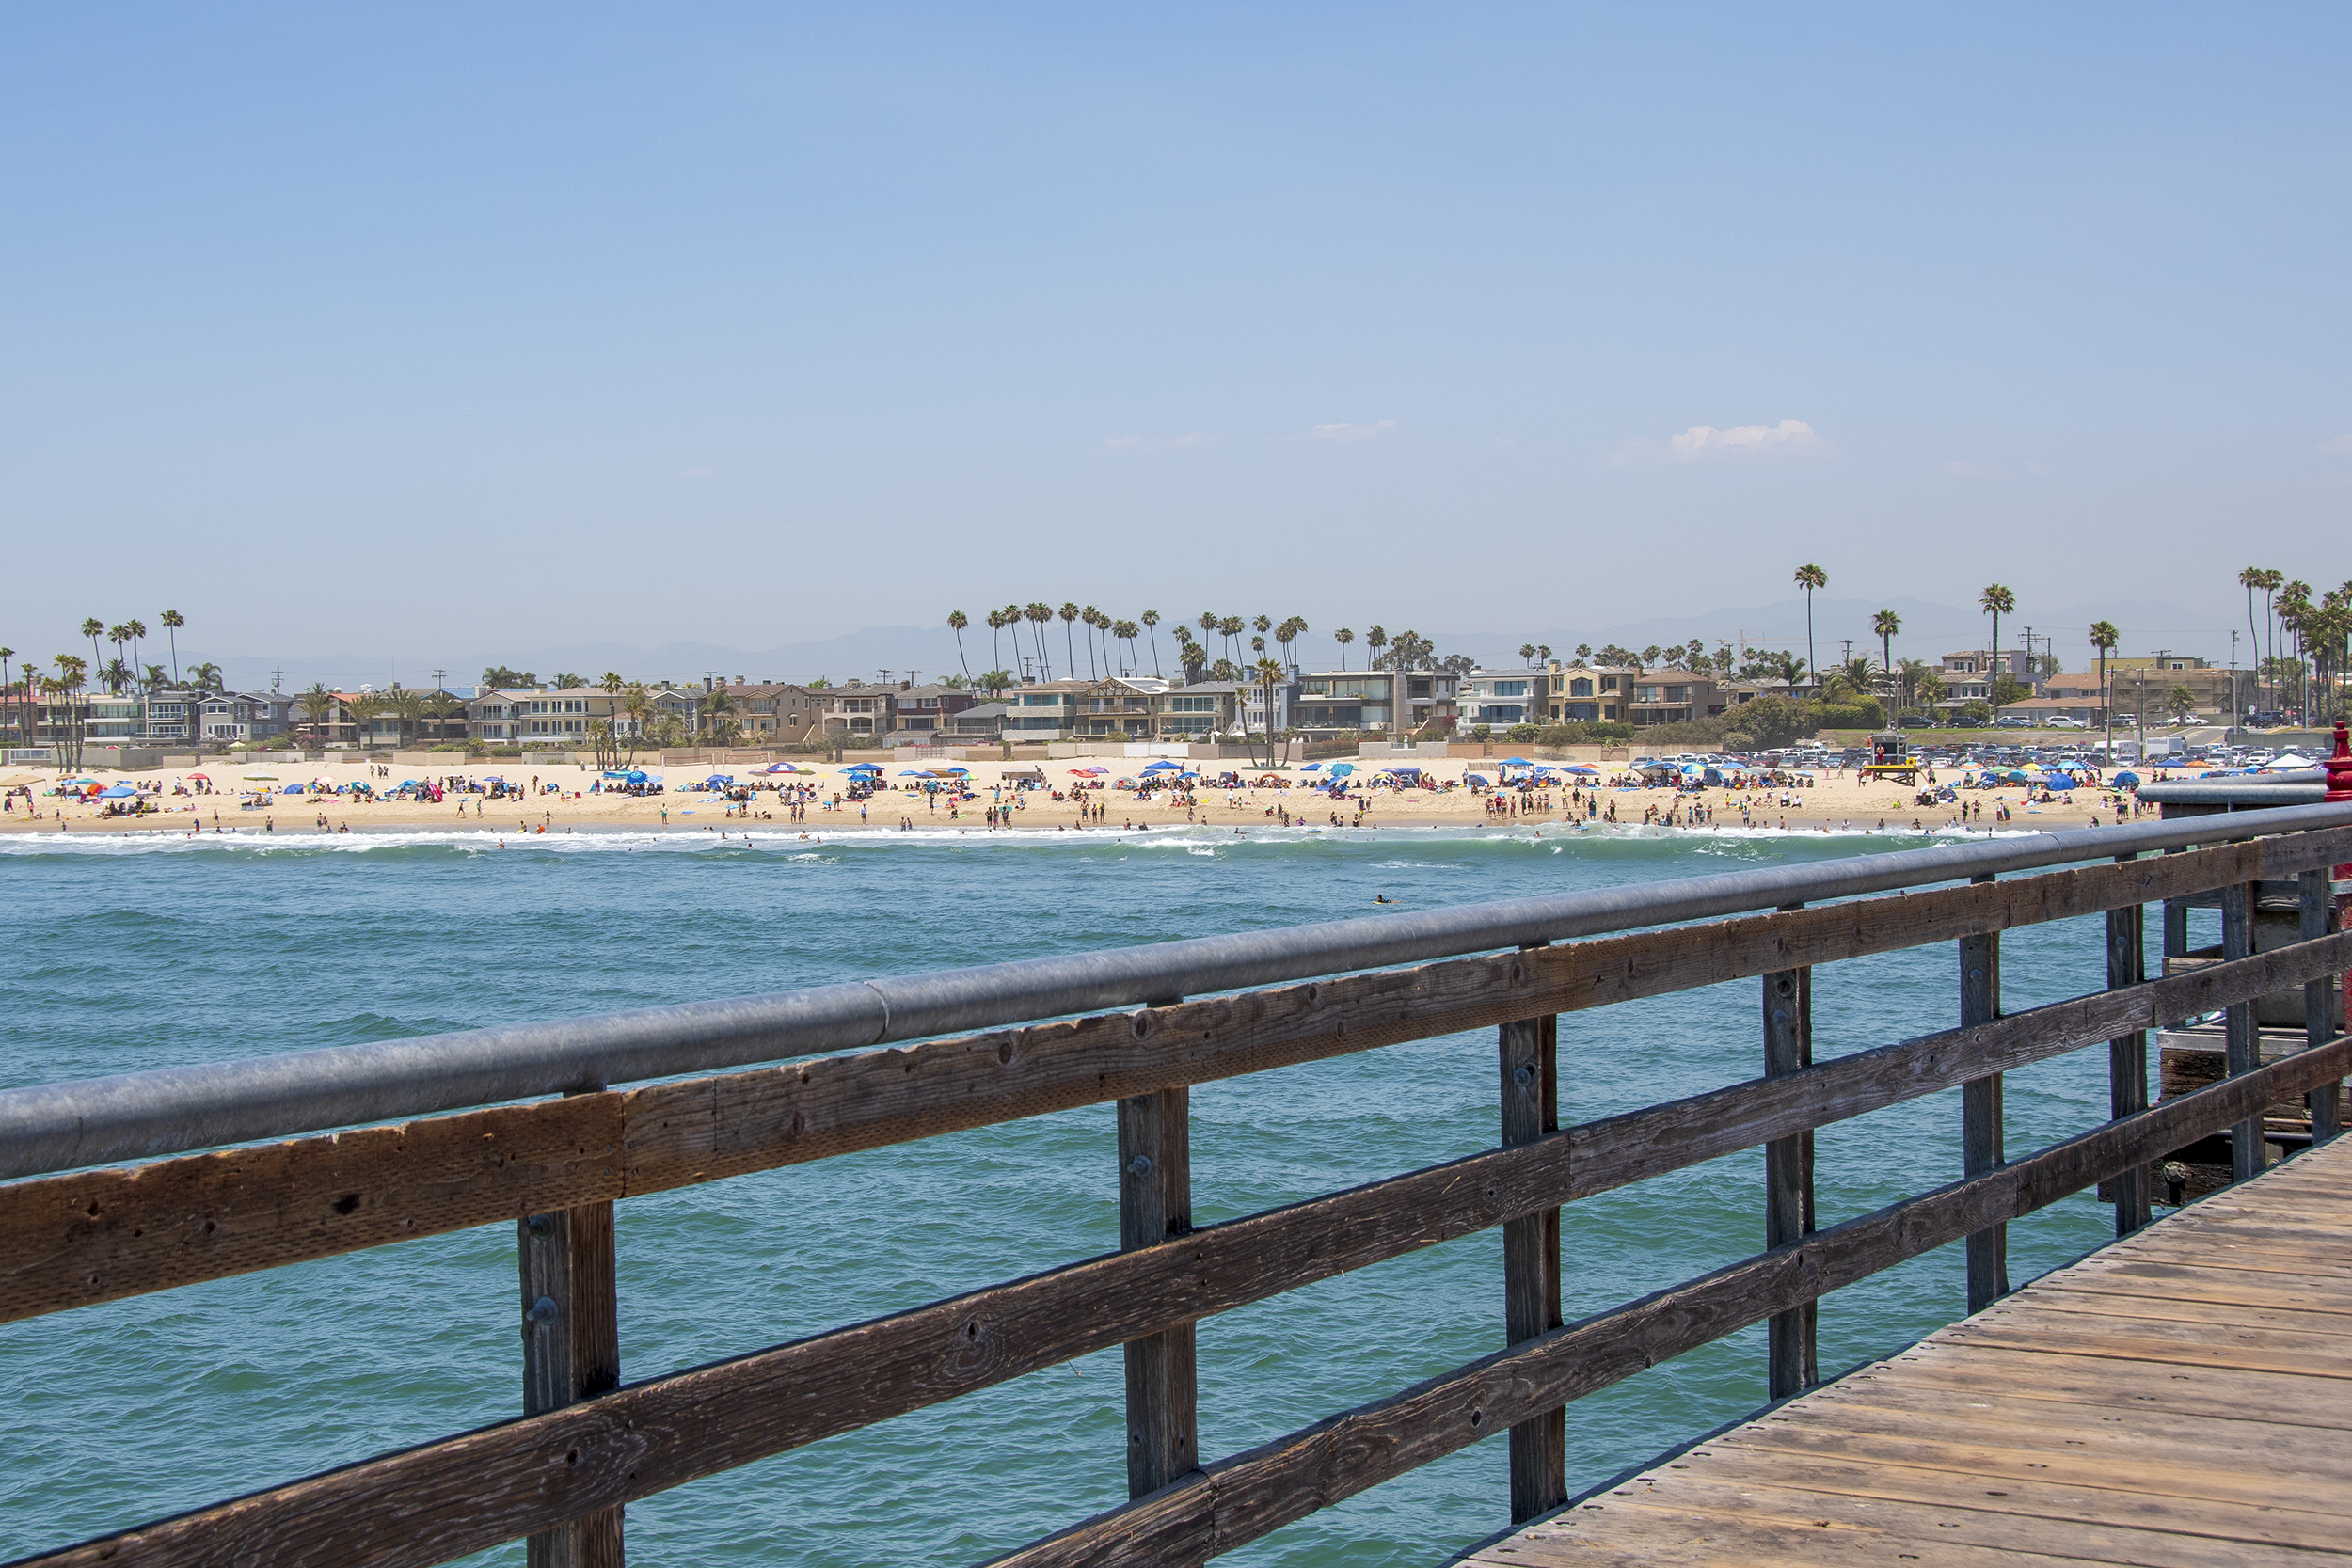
[
  {"x": 1789, "y": 1176},
  {"x": 2127, "y": 1060},
  {"x": 2315, "y": 907},
  {"x": 98, "y": 1235},
  {"x": 571, "y": 1351},
  {"x": 1155, "y": 1206},
  {"x": 1982, "y": 1118},
  {"x": 2238, "y": 942},
  {"x": 1528, "y": 1059}
]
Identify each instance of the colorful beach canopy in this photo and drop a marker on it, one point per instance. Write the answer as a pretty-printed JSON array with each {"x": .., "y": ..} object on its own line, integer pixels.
[{"x": 1164, "y": 768}]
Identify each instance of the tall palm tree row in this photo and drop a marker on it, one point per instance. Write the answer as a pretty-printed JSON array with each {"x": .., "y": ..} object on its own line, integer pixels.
[
  {"x": 1344, "y": 637},
  {"x": 957, "y": 621},
  {"x": 2104, "y": 637},
  {"x": 173, "y": 620},
  {"x": 1152, "y": 622}
]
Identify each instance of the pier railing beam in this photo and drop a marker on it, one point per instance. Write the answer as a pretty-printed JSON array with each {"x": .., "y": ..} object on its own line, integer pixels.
[
  {"x": 1530, "y": 1057},
  {"x": 1789, "y": 1177},
  {"x": 2127, "y": 1057},
  {"x": 1154, "y": 1205},
  {"x": 571, "y": 1351},
  {"x": 1981, "y": 1114}
]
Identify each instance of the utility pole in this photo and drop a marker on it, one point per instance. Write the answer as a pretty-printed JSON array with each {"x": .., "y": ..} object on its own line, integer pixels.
[{"x": 276, "y": 681}]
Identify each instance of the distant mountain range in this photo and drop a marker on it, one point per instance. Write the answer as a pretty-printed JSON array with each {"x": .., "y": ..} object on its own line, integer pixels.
[{"x": 1928, "y": 631}]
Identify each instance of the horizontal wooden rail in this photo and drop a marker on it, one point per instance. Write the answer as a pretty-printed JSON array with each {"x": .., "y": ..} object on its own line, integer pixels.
[
  {"x": 92, "y": 1236},
  {"x": 1239, "y": 1499},
  {"x": 463, "y": 1494}
]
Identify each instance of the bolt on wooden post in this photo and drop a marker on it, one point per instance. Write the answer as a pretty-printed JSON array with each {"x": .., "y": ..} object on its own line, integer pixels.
[
  {"x": 1529, "y": 1059},
  {"x": 2127, "y": 1057},
  {"x": 2244, "y": 1051},
  {"x": 1980, "y": 1112},
  {"x": 571, "y": 1351},
  {"x": 1789, "y": 1176},
  {"x": 1155, "y": 1206}
]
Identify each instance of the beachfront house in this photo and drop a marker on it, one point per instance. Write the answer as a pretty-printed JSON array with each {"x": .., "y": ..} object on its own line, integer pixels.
[
  {"x": 1045, "y": 710},
  {"x": 226, "y": 717},
  {"x": 774, "y": 712},
  {"x": 1967, "y": 675},
  {"x": 1340, "y": 702},
  {"x": 981, "y": 724},
  {"x": 1196, "y": 712},
  {"x": 1500, "y": 698},
  {"x": 925, "y": 711}
]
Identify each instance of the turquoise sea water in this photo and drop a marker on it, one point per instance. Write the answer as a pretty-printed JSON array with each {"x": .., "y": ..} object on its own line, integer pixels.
[{"x": 130, "y": 952}]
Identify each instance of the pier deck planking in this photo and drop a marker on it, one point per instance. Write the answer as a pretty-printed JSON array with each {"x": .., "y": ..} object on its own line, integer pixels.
[{"x": 2183, "y": 1397}]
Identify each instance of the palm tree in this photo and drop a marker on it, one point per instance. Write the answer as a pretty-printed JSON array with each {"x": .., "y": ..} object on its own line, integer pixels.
[
  {"x": 1152, "y": 620},
  {"x": 72, "y": 676},
  {"x": 2103, "y": 637},
  {"x": 2182, "y": 702},
  {"x": 1288, "y": 634},
  {"x": 1374, "y": 639},
  {"x": 1527, "y": 653},
  {"x": 1910, "y": 674},
  {"x": 363, "y": 709},
  {"x": 1230, "y": 629},
  {"x": 635, "y": 705},
  {"x": 1040, "y": 615},
  {"x": 1095, "y": 621},
  {"x": 1269, "y": 673},
  {"x": 173, "y": 620},
  {"x": 205, "y": 677},
  {"x": 1126, "y": 632},
  {"x": 957, "y": 621},
  {"x": 137, "y": 628},
  {"x": 8, "y": 698},
  {"x": 1810, "y": 576},
  {"x": 1996, "y": 601},
  {"x": 718, "y": 712},
  {"x": 1886, "y": 624},
  {"x": 438, "y": 705},
  {"x": 317, "y": 704},
  {"x": 2251, "y": 580},
  {"x": 93, "y": 628},
  {"x": 1344, "y": 637},
  {"x": 117, "y": 674},
  {"x": 1069, "y": 614}
]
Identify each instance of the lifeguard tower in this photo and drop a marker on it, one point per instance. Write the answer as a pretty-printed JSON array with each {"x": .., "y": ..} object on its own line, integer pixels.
[{"x": 1890, "y": 758}]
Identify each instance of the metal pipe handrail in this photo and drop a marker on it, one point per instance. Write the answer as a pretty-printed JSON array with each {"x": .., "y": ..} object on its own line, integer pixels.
[{"x": 174, "y": 1110}]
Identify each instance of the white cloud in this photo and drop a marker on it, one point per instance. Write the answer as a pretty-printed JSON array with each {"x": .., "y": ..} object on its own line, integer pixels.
[
  {"x": 1704, "y": 443},
  {"x": 1351, "y": 432},
  {"x": 2340, "y": 447},
  {"x": 1193, "y": 439}
]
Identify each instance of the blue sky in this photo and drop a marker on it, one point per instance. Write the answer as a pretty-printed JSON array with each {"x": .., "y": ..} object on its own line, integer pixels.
[{"x": 423, "y": 327}]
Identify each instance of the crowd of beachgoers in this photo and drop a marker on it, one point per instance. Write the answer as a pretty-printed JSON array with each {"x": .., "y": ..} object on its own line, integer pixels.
[{"x": 1123, "y": 795}]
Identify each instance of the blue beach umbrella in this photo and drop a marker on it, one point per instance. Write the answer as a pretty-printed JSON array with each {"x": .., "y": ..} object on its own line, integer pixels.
[
  {"x": 118, "y": 792},
  {"x": 2127, "y": 780}
]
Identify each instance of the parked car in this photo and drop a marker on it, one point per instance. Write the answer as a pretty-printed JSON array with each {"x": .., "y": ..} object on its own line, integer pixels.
[
  {"x": 1964, "y": 722},
  {"x": 1914, "y": 721}
]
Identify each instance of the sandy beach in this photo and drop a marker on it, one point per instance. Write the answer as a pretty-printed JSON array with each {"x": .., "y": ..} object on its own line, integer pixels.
[{"x": 560, "y": 798}]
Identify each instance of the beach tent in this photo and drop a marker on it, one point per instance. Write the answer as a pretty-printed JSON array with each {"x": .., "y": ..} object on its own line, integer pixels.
[
  {"x": 912, "y": 773},
  {"x": 2058, "y": 780},
  {"x": 1517, "y": 762},
  {"x": 1341, "y": 769},
  {"x": 1476, "y": 778},
  {"x": 2127, "y": 780},
  {"x": 1162, "y": 768},
  {"x": 290, "y": 789},
  {"x": 861, "y": 767},
  {"x": 119, "y": 792},
  {"x": 2287, "y": 764}
]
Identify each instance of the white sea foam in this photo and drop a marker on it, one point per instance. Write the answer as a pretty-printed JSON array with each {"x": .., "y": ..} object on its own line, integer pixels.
[{"x": 1196, "y": 840}]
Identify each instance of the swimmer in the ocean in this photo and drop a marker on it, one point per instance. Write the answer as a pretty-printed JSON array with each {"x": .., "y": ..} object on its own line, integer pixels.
[{"x": 1382, "y": 898}]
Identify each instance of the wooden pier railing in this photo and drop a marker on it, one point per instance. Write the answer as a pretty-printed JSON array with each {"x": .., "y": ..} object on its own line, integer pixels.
[{"x": 74, "y": 1232}]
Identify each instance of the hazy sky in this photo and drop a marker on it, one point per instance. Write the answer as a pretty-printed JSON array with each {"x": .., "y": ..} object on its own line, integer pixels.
[{"x": 395, "y": 328}]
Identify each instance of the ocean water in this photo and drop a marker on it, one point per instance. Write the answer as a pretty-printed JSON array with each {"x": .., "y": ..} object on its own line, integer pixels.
[{"x": 119, "y": 954}]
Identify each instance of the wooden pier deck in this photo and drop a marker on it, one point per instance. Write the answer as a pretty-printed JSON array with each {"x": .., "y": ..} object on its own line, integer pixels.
[{"x": 2182, "y": 1398}]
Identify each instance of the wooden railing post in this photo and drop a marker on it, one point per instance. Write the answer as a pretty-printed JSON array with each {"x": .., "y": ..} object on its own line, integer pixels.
[
  {"x": 2317, "y": 900},
  {"x": 1789, "y": 1176},
  {"x": 2127, "y": 1057},
  {"x": 2245, "y": 1054},
  {"x": 1530, "y": 1056},
  {"x": 1155, "y": 1204},
  {"x": 1980, "y": 1112},
  {"x": 571, "y": 1351}
]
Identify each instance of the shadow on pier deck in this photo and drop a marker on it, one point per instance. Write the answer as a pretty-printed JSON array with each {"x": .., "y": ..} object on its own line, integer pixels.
[{"x": 2181, "y": 1397}]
